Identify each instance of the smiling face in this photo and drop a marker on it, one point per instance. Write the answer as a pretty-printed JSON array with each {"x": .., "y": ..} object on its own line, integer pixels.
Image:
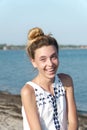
[{"x": 46, "y": 61}]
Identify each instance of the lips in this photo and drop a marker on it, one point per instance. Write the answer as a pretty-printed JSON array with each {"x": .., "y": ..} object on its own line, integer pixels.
[{"x": 50, "y": 70}]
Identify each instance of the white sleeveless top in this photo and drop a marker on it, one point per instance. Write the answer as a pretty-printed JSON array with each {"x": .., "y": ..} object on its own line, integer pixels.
[{"x": 52, "y": 109}]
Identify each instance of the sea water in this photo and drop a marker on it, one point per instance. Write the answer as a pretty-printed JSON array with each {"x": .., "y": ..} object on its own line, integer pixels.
[{"x": 16, "y": 70}]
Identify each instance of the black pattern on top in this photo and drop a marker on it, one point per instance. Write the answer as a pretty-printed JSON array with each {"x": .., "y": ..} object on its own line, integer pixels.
[{"x": 42, "y": 100}]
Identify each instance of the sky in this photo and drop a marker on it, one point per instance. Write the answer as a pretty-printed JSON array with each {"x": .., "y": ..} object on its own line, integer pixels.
[{"x": 66, "y": 20}]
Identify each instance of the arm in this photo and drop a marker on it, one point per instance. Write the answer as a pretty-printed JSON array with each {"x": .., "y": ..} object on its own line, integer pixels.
[
  {"x": 71, "y": 106},
  {"x": 29, "y": 103}
]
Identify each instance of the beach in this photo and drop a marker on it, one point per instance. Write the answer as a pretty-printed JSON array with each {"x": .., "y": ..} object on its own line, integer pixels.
[{"x": 10, "y": 113}]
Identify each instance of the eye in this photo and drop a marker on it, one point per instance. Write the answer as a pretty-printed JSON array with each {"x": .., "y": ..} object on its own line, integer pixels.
[
  {"x": 54, "y": 56},
  {"x": 43, "y": 59}
]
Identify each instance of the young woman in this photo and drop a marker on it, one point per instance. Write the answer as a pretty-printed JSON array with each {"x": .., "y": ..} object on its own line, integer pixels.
[{"x": 48, "y": 100}]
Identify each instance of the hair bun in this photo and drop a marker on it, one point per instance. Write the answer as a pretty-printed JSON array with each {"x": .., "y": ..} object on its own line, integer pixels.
[{"x": 34, "y": 33}]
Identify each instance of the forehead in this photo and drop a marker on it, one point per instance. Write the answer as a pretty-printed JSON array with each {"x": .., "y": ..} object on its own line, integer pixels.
[{"x": 45, "y": 51}]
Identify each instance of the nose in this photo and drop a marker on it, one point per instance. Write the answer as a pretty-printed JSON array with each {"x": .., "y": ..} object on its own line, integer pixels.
[{"x": 49, "y": 62}]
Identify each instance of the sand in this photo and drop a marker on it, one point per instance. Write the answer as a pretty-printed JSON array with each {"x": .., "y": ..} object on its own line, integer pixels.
[{"x": 10, "y": 113}]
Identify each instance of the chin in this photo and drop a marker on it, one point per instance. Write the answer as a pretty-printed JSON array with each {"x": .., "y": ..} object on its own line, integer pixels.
[{"x": 51, "y": 76}]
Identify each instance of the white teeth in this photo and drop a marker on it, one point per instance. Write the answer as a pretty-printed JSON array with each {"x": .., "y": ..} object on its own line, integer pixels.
[{"x": 50, "y": 70}]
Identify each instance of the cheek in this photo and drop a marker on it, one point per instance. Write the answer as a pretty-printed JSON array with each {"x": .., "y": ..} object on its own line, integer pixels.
[
  {"x": 56, "y": 62},
  {"x": 40, "y": 65}
]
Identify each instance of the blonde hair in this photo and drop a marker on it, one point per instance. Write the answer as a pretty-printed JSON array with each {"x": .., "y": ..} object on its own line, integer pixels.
[{"x": 37, "y": 39}]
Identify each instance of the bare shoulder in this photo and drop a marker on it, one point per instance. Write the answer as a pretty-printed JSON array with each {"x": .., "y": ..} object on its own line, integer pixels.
[
  {"x": 27, "y": 90},
  {"x": 66, "y": 79},
  {"x": 71, "y": 105}
]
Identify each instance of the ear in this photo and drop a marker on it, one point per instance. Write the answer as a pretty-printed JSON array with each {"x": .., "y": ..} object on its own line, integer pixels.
[{"x": 33, "y": 63}]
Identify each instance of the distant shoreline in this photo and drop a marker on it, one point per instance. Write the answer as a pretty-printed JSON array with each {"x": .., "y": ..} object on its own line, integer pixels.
[{"x": 22, "y": 47}]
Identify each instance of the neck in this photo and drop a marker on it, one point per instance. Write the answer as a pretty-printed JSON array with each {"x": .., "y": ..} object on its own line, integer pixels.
[
  {"x": 45, "y": 80},
  {"x": 44, "y": 83}
]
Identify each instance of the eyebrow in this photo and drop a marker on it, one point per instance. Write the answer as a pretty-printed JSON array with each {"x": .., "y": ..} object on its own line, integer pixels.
[{"x": 50, "y": 55}]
